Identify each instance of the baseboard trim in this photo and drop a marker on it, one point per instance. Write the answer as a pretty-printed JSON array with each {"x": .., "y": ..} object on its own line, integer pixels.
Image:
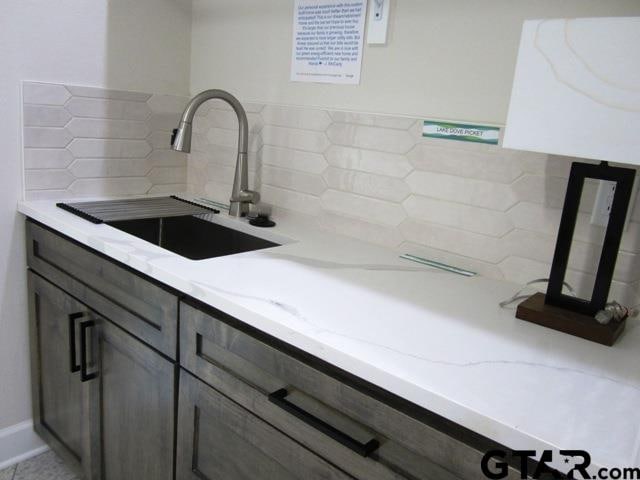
[{"x": 19, "y": 442}]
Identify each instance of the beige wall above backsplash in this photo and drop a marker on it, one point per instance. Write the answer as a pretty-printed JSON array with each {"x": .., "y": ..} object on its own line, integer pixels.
[
  {"x": 481, "y": 207},
  {"x": 449, "y": 59}
]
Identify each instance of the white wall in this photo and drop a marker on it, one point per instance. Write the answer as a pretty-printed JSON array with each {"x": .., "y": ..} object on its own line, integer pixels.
[
  {"x": 446, "y": 59},
  {"x": 142, "y": 45}
]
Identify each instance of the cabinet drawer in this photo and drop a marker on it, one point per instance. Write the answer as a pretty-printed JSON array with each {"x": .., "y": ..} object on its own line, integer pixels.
[
  {"x": 218, "y": 439},
  {"x": 139, "y": 306},
  {"x": 220, "y": 354}
]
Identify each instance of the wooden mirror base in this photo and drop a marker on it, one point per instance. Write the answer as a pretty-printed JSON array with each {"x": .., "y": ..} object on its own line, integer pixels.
[{"x": 536, "y": 311}]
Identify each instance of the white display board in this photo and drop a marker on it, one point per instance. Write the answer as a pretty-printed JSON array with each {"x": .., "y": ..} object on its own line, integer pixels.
[
  {"x": 577, "y": 89},
  {"x": 327, "y": 41}
]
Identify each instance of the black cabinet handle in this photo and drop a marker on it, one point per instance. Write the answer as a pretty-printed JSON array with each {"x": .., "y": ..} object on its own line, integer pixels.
[
  {"x": 73, "y": 357},
  {"x": 365, "y": 449},
  {"x": 84, "y": 375}
]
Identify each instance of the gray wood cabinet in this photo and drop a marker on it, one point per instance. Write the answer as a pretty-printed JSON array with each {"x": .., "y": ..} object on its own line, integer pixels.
[
  {"x": 102, "y": 399},
  {"x": 133, "y": 412},
  {"x": 122, "y": 393},
  {"x": 61, "y": 402},
  {"x": 220, "y": 440},
  {"x": 251, "y": 371},
  {"x": 139, "y": 305}
]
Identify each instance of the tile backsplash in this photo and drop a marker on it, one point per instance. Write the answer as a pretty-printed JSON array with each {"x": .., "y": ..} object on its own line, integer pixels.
[
  {"x": 374, "y": 177},
  {"x": 81, "y": 141}
]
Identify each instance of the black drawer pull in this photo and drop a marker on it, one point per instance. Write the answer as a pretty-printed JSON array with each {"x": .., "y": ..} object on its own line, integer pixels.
[
  {"x": 84, "y": 375},
  {"x": 73, "y": 357},
  {"x": 365, "y": 449}
]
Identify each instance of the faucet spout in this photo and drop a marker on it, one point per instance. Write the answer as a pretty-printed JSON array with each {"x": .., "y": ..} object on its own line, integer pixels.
[{"x": 241, "y": 196}]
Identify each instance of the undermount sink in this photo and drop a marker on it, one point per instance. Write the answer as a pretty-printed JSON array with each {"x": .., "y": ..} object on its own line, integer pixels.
[{"x": 192, "y": 237}]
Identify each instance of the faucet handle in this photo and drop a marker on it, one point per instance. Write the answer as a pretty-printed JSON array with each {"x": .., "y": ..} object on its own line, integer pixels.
[
  {"x": 247, "y": 196},
  {"x": 260, "y": 209}
]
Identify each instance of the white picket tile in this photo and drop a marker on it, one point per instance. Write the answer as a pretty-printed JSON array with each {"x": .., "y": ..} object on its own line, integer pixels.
[
  {"x": 551, "y": 191},
  {"x": 370, "y": 185},
  {"x": 488, "y": 165},
  {"x": 463, "y": 217},
  {"x": 160, "y": 140},
  {"x": 228, "y": 119},
  {"x": 384, "y": 121},
  {"x": 106, "y": 108},
  {"x": 219, "y": 192},
  {"x": 371, "y": 138},
  {"x": 44, "y": 93},
  {"x": 523, "y": 270},
  {"x": 539, "y": 218},
  {"x": 370, "y": 161},
  {"x": 168, "y": 189},
  {"x": 480, "y": 193},
  {"x": 229, "y": 138},
  {"x": 167, "y": 175},
  {"x": 45, "y": 137},
  {"x": 249, "y": 107},
  {"x": 102, "y": 128},
  {"x": 473, "y": 245},
  {"x": 220, "y": 173},
  {"x": 383, "y": 235},
  {"x": 168, "y": 158},
  {"x": 45, "y": 116},
  {"x": 532, "y": 245},
  {"x": 543, "y": 164},
  {"x": 110, "y": 167},
  {"x": 89, "y": 187},
  {"x": 92, "y": 92},
  {"x": 47, "y": 158},
  {"x": 30, "y": 195},
  {"x": 164, "y": 121},
  {"x": 293, "y": 180},
  {"x": 167, "y": 104},
  {"x": 371, "y": 209},
  {"x": 306, "y": 140},
  {"x": 47, "y": 179},
  {"x": 297, "y": 201},
  {"x": 293, "y": 159},
  {"x": 109, "y": 148}
]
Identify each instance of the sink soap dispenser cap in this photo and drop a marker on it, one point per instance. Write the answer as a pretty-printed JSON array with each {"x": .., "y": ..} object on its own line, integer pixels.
[
  {"x": 259, "y": 215},
  {"x": 262, "y": 221}
]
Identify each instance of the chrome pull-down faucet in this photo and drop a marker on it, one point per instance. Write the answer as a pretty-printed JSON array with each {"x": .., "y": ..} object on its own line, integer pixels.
[{"x": 241, "y": 196}]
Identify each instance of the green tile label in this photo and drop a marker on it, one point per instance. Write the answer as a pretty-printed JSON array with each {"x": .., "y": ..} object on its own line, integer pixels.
[{"x": 462, "y": 132}]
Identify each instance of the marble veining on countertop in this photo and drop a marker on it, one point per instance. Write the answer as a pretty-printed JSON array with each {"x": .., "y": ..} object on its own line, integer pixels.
[{"x": 438, "y": 339}]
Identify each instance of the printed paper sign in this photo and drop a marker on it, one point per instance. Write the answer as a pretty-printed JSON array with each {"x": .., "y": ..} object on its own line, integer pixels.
[
  {"x": 327, "y": 41},
  {"x": 462, "y": 132}
]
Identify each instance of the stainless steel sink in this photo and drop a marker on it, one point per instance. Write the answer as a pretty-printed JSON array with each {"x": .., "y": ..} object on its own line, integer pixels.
[{"x": 191, "y": 236}]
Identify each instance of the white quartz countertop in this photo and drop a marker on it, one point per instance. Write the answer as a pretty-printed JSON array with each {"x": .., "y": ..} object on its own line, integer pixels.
[{"x": 435, "y": 338}]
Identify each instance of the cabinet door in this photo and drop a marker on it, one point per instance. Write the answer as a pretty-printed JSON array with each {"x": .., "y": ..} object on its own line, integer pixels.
[
  {"x": 134, "y": 413},
  {"x": 61, "y": 401},
  {"x": 220, "y": 440}
]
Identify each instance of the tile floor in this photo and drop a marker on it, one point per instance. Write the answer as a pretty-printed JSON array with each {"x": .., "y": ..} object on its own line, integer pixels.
[{"x": 46, "y": 466}]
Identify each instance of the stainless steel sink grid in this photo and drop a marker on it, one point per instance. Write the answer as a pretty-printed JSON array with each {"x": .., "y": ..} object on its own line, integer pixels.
[{"x": 135, "y": 208}]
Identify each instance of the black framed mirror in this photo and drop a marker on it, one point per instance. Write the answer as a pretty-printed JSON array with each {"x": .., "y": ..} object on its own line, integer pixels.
[{"x": 581, "y": 172}]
